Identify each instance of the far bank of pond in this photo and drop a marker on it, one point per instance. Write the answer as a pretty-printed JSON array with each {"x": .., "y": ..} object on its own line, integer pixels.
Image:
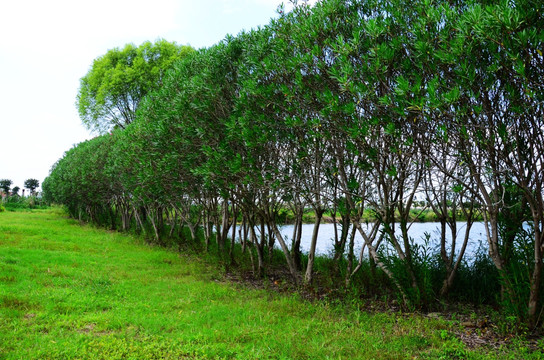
[
  {"x": 416, "y": 215},
  {"x": 423, "y": 233}
]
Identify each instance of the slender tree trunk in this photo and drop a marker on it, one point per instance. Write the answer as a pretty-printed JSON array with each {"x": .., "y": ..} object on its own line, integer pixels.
[
  {"x": 271, "y": 243},
  {"x": 536, "y": 276},
  {"x": 139, "y": 220},
  {"x": 351, "y": 256},
  {"x": 297, "y": 237},
  {"x": 374, "y": 254},
  {"x": 173, "y": 223},
  {"x": 311, "y": 255},
  {"x": 288, "y": 258},
  {"x": 225, "y": 226},
  {"x": 207, "y": 230},
  {"x": 155, "y": 227},
  {"x": 260, "y": 258},
  {"x": 244, "y": 233},
  {"x": 341, "y": 244},
  {"x": 233, "y": 235},
  {"x": 192, "y": 230}
]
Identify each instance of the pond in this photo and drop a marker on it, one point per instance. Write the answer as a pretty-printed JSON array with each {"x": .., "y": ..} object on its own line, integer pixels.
[{"x": 417, "y": 231}]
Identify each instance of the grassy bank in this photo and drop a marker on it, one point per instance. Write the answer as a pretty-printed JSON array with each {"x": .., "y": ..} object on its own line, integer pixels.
[{"x": 71, "y": 291}]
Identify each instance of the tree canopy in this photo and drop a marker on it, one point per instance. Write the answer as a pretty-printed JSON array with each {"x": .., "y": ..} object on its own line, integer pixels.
[
  {"x": 32, "y": 185},
  {"x": 112, "y": 90},
  {"x": 5, "y": 185}
]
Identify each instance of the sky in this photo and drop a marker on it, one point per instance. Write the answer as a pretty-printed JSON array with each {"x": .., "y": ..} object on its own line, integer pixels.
[{"x": 46, "y": 46}]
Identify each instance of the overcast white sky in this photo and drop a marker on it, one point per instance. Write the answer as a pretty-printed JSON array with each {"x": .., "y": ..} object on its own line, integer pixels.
[{"x": 46, "y": 46}]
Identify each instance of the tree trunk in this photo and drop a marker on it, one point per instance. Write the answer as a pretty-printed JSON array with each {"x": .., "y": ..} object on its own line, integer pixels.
[
  {"x": 288, "y": 258},
  {"x": 297, "y": 237},
  {"x": 311, "y": 255},
  {"x": 225, "y": 226},
  {"x": 260, "y": 257},
  {"x": 536, "y": 276},
  {"x": 351, "y": 256},
  {"x": 233, "y": 234}
]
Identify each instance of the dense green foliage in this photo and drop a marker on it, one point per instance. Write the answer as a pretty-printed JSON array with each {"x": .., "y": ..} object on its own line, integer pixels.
[
  {"x": 103, "y": 295},
  {"x": 32, "y": 185},
  {"x": 111, "y": 91},
  {"x": 348, "y": 107},
  {"x": 5, "y": 185}
]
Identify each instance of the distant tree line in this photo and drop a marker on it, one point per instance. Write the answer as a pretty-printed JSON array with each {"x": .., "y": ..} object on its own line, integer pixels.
[
  {"x": 346, "y": 107},
  {"x": 30, "y": 184},
  {"x": 11, "y": 199}
]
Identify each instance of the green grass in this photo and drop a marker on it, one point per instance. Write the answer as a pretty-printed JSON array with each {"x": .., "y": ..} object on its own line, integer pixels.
[{"x": 76, "y": 292}]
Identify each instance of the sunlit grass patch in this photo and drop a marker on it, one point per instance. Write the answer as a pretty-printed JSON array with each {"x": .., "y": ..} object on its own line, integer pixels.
[{"x": 71, "y": 291}]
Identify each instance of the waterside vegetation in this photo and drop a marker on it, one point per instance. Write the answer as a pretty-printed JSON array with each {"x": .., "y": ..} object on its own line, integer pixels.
[{"x": 348, "y": 107}]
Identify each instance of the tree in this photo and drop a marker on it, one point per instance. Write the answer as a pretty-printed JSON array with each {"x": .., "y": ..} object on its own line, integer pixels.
[
  {"x": 32, "y": 185},
  {"x": 15, "y": 190},
  {"x": 111, "y": 91},
  {"x": 354, "y": 107},
  {"x": 5, "y": 185}
]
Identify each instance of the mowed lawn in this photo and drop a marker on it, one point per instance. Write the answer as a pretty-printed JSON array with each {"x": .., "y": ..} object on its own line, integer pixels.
[{"x": 69, "y": 291}]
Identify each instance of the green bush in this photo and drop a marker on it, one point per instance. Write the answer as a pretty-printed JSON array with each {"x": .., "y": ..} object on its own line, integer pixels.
[{"x": 14, "y": 203}]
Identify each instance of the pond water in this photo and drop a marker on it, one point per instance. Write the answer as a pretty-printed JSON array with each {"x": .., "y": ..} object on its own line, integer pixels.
[{"x": 417, "y": 231}]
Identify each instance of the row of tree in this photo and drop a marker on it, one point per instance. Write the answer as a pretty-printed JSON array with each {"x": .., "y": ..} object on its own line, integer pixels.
[
  {"x": 30, "y": 184},
  {"x": 348, "y": 107}
]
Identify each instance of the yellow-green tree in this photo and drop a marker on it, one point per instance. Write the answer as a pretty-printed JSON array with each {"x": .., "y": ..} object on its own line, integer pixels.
[{"x": 110, "y": 93}]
